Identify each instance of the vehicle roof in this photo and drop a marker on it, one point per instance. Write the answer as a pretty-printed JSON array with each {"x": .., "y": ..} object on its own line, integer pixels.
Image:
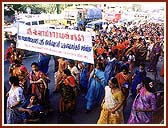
[
  {"x": 29, "y": 19},
  {"x": 97, "y": 22},
  {"x": 92, "y": 11},
  {"x": 44, "y": 25}
]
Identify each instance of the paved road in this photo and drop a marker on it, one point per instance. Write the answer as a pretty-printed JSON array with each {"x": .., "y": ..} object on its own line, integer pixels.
[{"x": 80, "y": 117}]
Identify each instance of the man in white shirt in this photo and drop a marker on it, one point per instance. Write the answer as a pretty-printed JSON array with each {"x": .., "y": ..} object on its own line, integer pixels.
[{"x": 74, "y": 70}]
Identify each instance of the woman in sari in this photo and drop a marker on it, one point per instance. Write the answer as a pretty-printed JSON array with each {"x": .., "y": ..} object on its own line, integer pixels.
[
  {"x": 21, "y": 72},
  {"x": 140, "y": 51},
  {"x": 38, "y": 81},
  {"x": 14, "y": 100},
  {"x": 31, "y": 109},
  {"x": 131, "y": 61},
  {"x": 84, "y": 70},
  {"x": 110, "y": 69},
  {"x": 67, "y": 99},
  {"x": 121, "y": 49},
  {"x": 112, "y": 105},
  {"x": 124, "y": 77},
  {"x": 144, "y": 104},
  {"x": 154, "y": 57},
  {"x": 62, "y": 64},
  {"x": 100, "y": 50},
  {"x": 43, "y": 63},
  {"x": 162, "y": 70},
  {"x": 9, "y": 52},
  {"x": 139, "y": 75},
  {"x": 96, "y": 86},
  {"x": 13, "y": 56}
]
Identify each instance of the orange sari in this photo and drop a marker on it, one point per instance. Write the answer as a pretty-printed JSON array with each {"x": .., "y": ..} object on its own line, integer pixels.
[
  {"x": 120, "y": 48},
  {"x": 100, "y": 51},
  {"x": 121, "y": 78},
  {"x": 22, "y": 73},
  {"x": 113, "y": 48},
  {"x": 59, "y": 74}
]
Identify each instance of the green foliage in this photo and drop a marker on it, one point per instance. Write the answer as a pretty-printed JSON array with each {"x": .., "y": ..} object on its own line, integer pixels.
[{"x": 35, "y": 8}]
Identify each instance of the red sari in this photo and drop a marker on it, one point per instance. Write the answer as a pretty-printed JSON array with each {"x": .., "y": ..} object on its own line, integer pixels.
[
  {"x": 38, "y": 88},
  {"x": 9, "y": 52}
]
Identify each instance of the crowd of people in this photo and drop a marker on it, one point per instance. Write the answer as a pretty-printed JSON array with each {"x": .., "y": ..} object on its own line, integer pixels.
[{"x": 119, "y": 70}]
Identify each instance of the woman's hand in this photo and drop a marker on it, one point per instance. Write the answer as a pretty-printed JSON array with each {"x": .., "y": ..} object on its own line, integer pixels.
[
  {"x": 142, "y": 110},
  {"x": 47, "y": 79},
  {"x": 133, "y": 76},
  {"x": 99, "y": 80},
  {"x": 139, "y": 110},
  {"x": 102, "y": 103},
  {"x": 15, "y": 104},
  {"x": 7, "y": 94},
  {"x": 29, "y": 111},
  {"x": 32, "y": 82},
  {"x": 66, "y": 81},
  {"x": 112, "y": 110},
  {"x": 12, "y": 106}
]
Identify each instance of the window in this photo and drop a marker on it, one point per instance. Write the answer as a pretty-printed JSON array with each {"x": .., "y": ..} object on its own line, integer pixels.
[
  {"x": 28, "y": 23},
  {"x": 34, "y": 23},
  {"x": 68, "y": 22},
  {"x": 41, "y": 22},
  {"x": 52, "y": 27}
]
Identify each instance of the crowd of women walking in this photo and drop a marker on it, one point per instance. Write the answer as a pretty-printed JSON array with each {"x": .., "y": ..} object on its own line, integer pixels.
[{"x": 120, "y": 56}]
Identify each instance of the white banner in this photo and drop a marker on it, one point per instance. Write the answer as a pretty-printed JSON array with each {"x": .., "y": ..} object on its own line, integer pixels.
[{"x": 71, "y": 44}]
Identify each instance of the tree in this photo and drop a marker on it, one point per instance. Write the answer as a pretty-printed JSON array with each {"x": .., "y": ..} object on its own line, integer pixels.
[
  {"x": 9, "y": 9},
  {"x": 59, "y": 8},
  {"x": 35, "y": 8}
]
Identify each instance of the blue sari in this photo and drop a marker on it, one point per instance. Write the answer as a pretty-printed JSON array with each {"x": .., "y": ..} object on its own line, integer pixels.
[
  {"x": 35, "y": 108},
  {"x": 96, "y": 90},
  {"x": 43, "y": 62},
  {"x": 84, "y": 78},
  {"x": 137, "y": 80},
  {"x": 110, "y": 69}
]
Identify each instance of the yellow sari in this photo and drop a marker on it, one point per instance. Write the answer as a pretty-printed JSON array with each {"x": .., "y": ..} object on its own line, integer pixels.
[{"x": 106, "y": 117}]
